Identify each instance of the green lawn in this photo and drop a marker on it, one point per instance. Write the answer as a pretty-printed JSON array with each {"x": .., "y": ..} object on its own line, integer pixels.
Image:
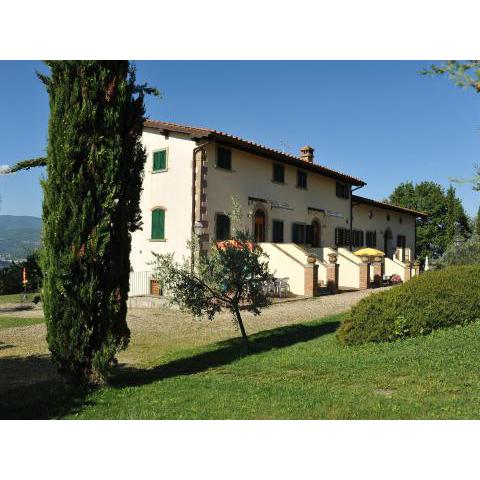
[
  {"x": 295, "y": 372},
  {"x": 16, "y": 298},
  {"x": 10, "y": 322}
]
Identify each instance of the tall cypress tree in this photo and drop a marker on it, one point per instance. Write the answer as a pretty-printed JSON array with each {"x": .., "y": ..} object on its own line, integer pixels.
[{"x": 92, "y": 191}]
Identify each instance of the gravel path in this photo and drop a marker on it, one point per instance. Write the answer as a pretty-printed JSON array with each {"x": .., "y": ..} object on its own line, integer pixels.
[
  {"x": 173, "y": 330},
  {"x": 172, "y": 327}
]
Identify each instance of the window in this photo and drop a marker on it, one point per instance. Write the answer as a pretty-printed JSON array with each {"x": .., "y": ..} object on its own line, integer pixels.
[
  {"x": 401, "y": 241},
  {"x": 301, "y": 179},
  {"x": 357, "y": 238},
  {"x": 388, "y": 217},
  {"x": 343, "y": 190},
  {"x": 298, "y": 233},
  {"x": 222, "y": 227},
  {"x": 224, "y": 158},
  {"x": 342, "y": 237},
  {"x": 158, "y": 224},
  {"x": 372, "y": 239},
  {"x": 278, "y": 173},
  {"x": 277, "y": 231},
  {"x": 160, "y": 161}
]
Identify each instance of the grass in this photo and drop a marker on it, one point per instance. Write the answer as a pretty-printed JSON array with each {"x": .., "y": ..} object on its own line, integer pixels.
[
  {"x": 16, "y": 298},
  {"x": 12, "y": 322},
  {"x": 293, "y": 372}
]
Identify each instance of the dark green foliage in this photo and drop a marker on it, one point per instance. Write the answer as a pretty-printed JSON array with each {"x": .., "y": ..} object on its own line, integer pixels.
[
  {"x": 436, "y": 299},
  {"x": 28, "y": 164},
  {"x": 11, "y": 276},
  {"x": 34, "y": 272},
  {"x": 446, "y": 215},
  {"x": 95, "y": 165},
  {"x": 11, "y": 279},
  {"x": 467, "y": 253}
]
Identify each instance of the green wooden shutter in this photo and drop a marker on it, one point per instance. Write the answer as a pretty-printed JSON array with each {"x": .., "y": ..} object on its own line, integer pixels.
[
  {"x": 158, "y": 224},
  {"x": 160, "y": 160}
]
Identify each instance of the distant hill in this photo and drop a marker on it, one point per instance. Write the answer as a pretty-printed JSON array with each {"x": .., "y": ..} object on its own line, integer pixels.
[{"x": 19, "y": 235}]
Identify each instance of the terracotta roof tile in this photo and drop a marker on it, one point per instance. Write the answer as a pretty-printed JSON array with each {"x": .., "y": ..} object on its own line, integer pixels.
[
  {"x": 254, "y": 147},
  {"x": 388, "y": 206}
]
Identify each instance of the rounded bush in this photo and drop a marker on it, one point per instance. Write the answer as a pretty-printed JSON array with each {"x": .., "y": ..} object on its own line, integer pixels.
[{"x": 436, "y": 299}]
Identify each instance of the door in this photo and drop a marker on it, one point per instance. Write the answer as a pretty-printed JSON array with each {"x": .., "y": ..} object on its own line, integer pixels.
[{"x": 260, "y": 222}]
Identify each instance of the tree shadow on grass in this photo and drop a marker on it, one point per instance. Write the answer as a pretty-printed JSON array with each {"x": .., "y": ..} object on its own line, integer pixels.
[
  {"x": 225, "y": 353},
  {"x": 30, "y": 388}
]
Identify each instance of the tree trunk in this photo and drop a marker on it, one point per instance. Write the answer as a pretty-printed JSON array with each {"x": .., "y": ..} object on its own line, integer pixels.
[{"x": 242, "y": 328}]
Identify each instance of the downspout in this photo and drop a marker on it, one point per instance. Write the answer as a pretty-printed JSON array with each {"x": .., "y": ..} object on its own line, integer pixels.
[
  {"x": 350, "y": 246},
  {"x": 194, "y": 195}
]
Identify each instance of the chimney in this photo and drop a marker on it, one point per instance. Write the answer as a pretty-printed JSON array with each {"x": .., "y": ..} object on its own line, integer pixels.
[{"x": 306, "y": 154}]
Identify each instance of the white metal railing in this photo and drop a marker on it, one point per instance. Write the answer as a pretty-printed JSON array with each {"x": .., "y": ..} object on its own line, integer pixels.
[{"x": 140, "y": 283}]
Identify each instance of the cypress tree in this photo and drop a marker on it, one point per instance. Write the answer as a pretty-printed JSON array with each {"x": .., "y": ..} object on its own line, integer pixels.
[{"x": 95, "y": 163}]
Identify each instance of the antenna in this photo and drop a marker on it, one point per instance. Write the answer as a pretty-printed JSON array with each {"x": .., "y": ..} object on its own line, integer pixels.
[{"x": 286, "y": 147}]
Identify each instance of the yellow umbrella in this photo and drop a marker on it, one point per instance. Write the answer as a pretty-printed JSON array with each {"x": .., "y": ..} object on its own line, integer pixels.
[{"x": 369, "y": 252}]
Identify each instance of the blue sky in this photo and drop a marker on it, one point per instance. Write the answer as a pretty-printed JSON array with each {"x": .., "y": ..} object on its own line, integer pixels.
[{"x": 380, "y": 121}]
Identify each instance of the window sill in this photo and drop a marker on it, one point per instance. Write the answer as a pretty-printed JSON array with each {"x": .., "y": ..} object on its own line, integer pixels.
[
  {"x": 159, "y": 171},
  {"x": 279, "y": 183},
  {"x": 301, "y": 188},
  {"x": 157, "y": 239}
]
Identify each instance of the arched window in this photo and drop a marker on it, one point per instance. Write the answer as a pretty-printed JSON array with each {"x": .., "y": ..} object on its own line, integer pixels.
[{"x": 158, "y": 224}]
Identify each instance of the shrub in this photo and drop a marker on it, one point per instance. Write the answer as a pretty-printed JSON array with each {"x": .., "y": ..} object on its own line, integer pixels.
[{"x": 436, "y": 299}]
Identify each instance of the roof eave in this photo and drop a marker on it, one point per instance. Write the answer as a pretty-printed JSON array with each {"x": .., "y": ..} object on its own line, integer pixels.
[
  {"x": 197, "y": 133},
  {"x": 285, "y": 158},
  {"x": 386, "y": 206}
]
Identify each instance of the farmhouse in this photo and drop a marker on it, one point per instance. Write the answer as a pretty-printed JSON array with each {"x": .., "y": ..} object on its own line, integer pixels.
[{"x": 305, "y": 216}]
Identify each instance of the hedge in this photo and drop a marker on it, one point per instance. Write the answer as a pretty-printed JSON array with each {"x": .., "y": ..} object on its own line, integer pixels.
[{"x": 436, "y": 299}]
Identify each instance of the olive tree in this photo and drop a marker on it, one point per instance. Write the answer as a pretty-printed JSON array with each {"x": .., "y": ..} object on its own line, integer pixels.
[{"x": 232, "y": 276}]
